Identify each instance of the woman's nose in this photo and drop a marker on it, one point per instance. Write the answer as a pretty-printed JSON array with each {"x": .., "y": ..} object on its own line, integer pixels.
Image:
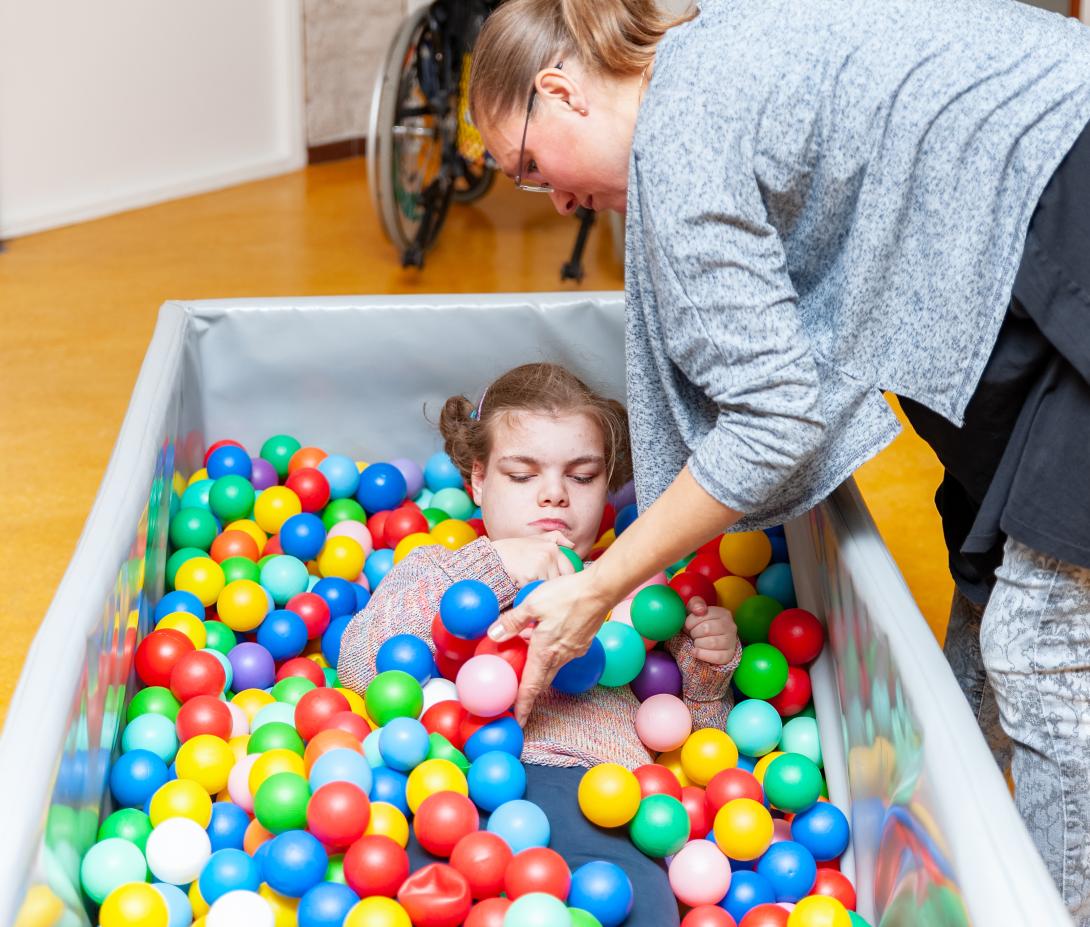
[
  {"x": 565, "y": 203},
  {"x": 552, "y": 492}
]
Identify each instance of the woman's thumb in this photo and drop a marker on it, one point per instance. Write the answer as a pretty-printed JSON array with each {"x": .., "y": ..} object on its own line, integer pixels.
[{"x": 509, "y": 624}]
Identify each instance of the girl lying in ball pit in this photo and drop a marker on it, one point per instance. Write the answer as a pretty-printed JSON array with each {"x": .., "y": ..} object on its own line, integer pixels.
[{"x": 540, "y": 452}]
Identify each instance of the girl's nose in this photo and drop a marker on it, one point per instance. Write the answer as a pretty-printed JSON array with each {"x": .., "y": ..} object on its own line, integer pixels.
[{"x": 565, "y": 203}]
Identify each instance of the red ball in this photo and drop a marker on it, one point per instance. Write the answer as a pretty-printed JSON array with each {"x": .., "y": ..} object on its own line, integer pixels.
[
  {"x": 347, "y": 721},
  {"x": 477, "y": 524},
  {"x": 695, "y": 802},
  {"x": 537, "y": 869},
  {"x": 765, "y": 915},
  {"x": 376, "y": 524},
  {"x": 707, "y": 565},
  {"x": 729, "y": 784},
  {"x": 797, "y": 634},
  {"x": 376, "y": 865},
  {"x": 446, "y": 718},
  {"x": 442, "y": 820},
  {"x": 448, "y": 669},
  {"x": 313, "y": 609},
  {"x": 473, "y": 723},
  {"x": 710, "y": 546},
  {"x": 197, "y": 673},
  {"x": 311, "y": 486},
  {"x": 436, "y": 896},
  {"x": 233, "y": 544},
  {"x": 688, "y": 584},
  {"x": 337, "y": 814},
  {"x": 204, "y": 714},
  {"x": 454, "y": 649},
  {"x": 315, "y": 708},
  {"x": 489, "y": 913},
  {"x": 212, "y": 448},
  {"x": 657, "y": 780},
  {"x": 301, "y": 666},
  {"x": 403, "y": 521},
  {"x": 796, "y": 694},
  {"x": 514, "y": 651},
  {"x": 708, "y": 915},
  {"x": 157, "y": 653},
  {"x": 482, "y": 857},
  {"x": 836, "y": 885},
  {"x": 829, "y": 864},
  {"x": 272, "y": 546},
  {"x": 609, "y": 517}
]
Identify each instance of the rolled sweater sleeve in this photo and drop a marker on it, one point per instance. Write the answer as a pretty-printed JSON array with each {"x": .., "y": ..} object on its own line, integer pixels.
[{"x": 705, "y": 687}]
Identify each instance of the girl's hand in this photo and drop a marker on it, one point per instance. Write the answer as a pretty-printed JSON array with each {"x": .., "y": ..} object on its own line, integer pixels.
[
  {"x": 527, "y": 559},
  {"x": 715, "y": 637}
]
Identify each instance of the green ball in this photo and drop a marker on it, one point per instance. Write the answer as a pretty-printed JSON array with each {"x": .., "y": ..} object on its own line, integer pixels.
[
  {"x": 220, "y": 637},
  {"x": 538, "y": 909},
  {"x": 443, "y": 749},
  {"x": 261, "y": 563},
  {"x": 581, "y": 918},
  {"x": 455, "y": 502},
  {"x": 433, "y": 516},
  {"x": 625, "y": 653},
  {"x": 179, "y": 557},
  {"x": 110, "y": 863},
  {"x": 800, "y": 735},
  {"x": 193, "y": 528},
  {"x": 658, "y": 612},
  {"x": 807, "y": 712},
  {"x": 281, "y": 802},
  {"x": 792, "y": 782},
  {"x": 856, "y": 920},
  {"x": 754, "y": 616},
  {"x": 278, "y": 451},
  {"x": 393, "y": 694},
  {"x": 231, "y": 497},
  {"x": 331, "y": 679},
  {"x": 678, "y": 565},
  {"x": 573, "y": 559},
  {"x": 291, "y": 688},
  {"x": 276, "y": 735},
  {"x": 129, "y": 824},
  {"x": 157, "y": 700},
  {"x": 334, "y": 872},
  {"x": 762, "y": 672},
  {"x": 660, "y": 827},
  {"x": 343, "y": 510}
]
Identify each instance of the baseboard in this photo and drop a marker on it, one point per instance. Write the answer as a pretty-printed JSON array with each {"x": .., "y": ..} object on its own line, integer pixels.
[{"x": 335, "y": 151}]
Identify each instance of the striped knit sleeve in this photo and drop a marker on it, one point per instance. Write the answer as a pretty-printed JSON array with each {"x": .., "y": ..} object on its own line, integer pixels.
[{"x": 705, "y": 687}]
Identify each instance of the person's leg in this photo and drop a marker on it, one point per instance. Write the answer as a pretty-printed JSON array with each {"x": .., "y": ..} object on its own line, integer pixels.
[
  {"x": 962, "y": 650},
  {"x": 1035, "y": 638}
]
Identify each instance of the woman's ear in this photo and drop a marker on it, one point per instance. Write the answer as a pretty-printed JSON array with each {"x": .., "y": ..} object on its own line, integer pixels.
[
  {"x": 476, "y": 481},
  {"x": 563, "y": 86}
]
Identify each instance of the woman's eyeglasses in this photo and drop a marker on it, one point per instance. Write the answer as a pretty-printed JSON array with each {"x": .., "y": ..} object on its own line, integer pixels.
[{"x": 530, "y": 187}]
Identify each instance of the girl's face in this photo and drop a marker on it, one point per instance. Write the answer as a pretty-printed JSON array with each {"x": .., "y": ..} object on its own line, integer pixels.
[{"x": 545, "y": 473}]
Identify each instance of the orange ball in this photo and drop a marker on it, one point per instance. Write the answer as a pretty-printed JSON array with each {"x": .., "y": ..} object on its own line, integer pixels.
[
  {"x": 324, "y": 741},
  {"x": 255, "y": 836},
  {"x": 306, "y": 457},
  {"x": 233, "y": 544}
]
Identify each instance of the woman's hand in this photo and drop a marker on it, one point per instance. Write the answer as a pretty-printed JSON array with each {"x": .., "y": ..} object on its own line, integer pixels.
[
  {"x": 539, "y": 557},
  {"x": 714, "y": 634}
]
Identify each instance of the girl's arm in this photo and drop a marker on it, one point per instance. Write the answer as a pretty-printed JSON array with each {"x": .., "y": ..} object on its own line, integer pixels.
[{"x": 705, "y": 687}]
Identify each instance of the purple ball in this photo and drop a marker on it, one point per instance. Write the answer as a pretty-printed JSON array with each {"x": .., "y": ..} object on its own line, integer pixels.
[
  {"x": 414, "y": 476},
  {"x": 253, "y": 665},
  {"x": 659, "y": 675},
  {"x": 626, "y": 495},
  {"x": 264, "y": 474}
]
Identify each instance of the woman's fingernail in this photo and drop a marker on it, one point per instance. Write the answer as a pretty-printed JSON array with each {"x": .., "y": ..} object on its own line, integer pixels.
[{"x": 496, "y": 632}]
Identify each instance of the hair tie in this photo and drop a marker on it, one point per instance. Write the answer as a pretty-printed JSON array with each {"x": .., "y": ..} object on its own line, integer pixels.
[{"x": 475, "y": 415}]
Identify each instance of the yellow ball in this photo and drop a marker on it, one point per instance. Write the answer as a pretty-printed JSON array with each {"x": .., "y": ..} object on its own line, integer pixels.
[
  {"x": 40, "y": 908},
  {"x": 433, "y": 776},
  {"x": 274, "y": 506},
  {"x": 341, "y": 557},
  {"x": 356, "y": 703},
  {"x": 819, "y": 911},
  {"x": 207, "y": 760},
  {"x": 196, "y": 900},
  {"x": 251, "y": 701},
  {"x": 243, "y": 605},
  {"x": 707, "y": 752},
  {"x": 609, "y": 795},
  {"x": 180, "y": 798},
  {"x": 388, "y": 821},
  {"x": 248, "y": 526},
  {"x": 733, "y": 591},
  {"x": 377, "y": 912},
  {"x": 672, "y": 761},
  {"x": 134, "y": 904},
  {"x": 605, "y": 540},
  {"x": 197, "y": 476},
  {"x": 239, "y": 746},
  {"x": 763, "y": 763},
  {"x": 411, "y": 542},
  {"x": 203, "y": 577},
  {"x": 190, "y": 625},
  {"x": 361, "y": 465},
  {"x": 319, "y": 658},
  {"x": 745, "y": 553},
  {"x": 743, "y": 828},
  {"x": 453, "y": 533},
  {"x": 272, "y": 762},
  {"x": 285, "y": 910}
]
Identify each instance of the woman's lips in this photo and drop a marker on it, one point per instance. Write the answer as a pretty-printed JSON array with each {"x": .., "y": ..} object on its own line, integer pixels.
[{"x": 550, "y": 524}]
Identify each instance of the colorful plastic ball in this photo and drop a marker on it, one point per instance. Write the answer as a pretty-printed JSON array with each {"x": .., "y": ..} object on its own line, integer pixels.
[
  {"x": 796, "y": 694},
  {"x": 278, "y": 450},
  {"x": 177, "y": 850},
  {"x": 660, "y": 676},
  {"x": 609, "y": 795},
  {"x": 381, "y": 487},
  {"x": 203, "y": 577},
  {"x": 452, "y": 533},
  {"x": 699, "y": 873},
  {"x": 343, "y": 557},
  {"x": 292, "y": 679},
  {"x": 282, "y": 577},
  {"x": 762, "y": 672},
  {"x": 316, "y": 707},
  {"x": 206, "y": 760},
  {"x": 193, "y": 528},
  {"x": 302, "y": 536},
  {"x": 178, "y": 601},
  {"x": 800, "y": 735},
  {"x": 280, "y": 802},
  {"x": 755, "y": 727},
  {"x": 339, "y": 594},
  {"x": 404, "y": 522},
  {"x": 442, "y": 819},
  {"x": 700, "y": 820},
  {"x": 190, "y": 625},
  {"x": 745, "y": 553},
  {"x": 388, "y": 821},
  {"x": 707, "y": 752},
  {"x": 625, "y": 516},
  {"x": 754, "y": 617},
  {"x": 282, "y": 634},
  {"x": 728, "y": 785},
  {"x": 819, "y": 911},
  {"x": 129, "y": 824},
  {"x": 154, "y": 733},
  {"x": 432, "y": 777},
  {"x": 766, "y": 915},
  {"x": 658, "y": 612},
  {"x": 263, "y": 474},
  {"x": 311, "y": 486},
  {"x": 404, "y": 744},
  {"x": 537, "y": 869},
  {"x": 604, "y": 891},
  {"x": 204, "y": 714},
  {"x": 393, "y": 694},
  {"x": 581, "y": 674},
  {"x": 515, "y": 651},
  {"x": 792, "y": 782},
  {"x": 660, "y": 827},
  {"x": 789, "y": 868},
  {"x": 657, "y": 780},
  {"x": 234, "y": 546},
  {"x": 408, "y": 653},
  {"x": 482, "y": 857},
  {"x": 836, "y": 885},
  {"x": 134, "y": 904},
  {"x": 227, "y": 871},
  {"x": 377, "y": 565},
  {"x": 823, "y": 829},
  {"x": 109, "y": 864},
  {"x": 338, "y": 814},
  {"x": 197, "y": 673},
  {"x": 743, "y": 829},
  {"x": 326, "y": 904},
  {"x": 495, "y": 778},
  {"x": 455, "y": 502},
  {"x": 228, "y": 826},
  {"x": 487, "y": 685},
  {"x": 136, "y": 776},
  {"x": 228, "y": 457},
  {"x": 504, "y": 734},
  {"x": 625, "y": 653},
  {"x": 295, "y": 863},
  {"x": 663, "y": 723},
  {"x": 231, "y": 497},
  {"x": 331, "y": 639},
  {"x": 180, "y": 911},
  {"x": 443, "y": 714},
  {"x": 177, "y": 560},
  {"x": 581, "y": 918},
  {"x": 376, "y": 865},
  {"x": 776, "y": 582},
  {"x": 690, "y": 585},
  {"x": 341, "y": 764},
  {"x": 537, "y": 910},
  {"x": 797, "y": 634},
  {"x": 157, "y": 653},
  {"x": 440, "y": 472},
  {"x": 275, "y": 506},
  {"x": 707, "y": 915},
  {"x": 468, "y": 608},
  {"x": 747, "y": 890},
  {"x": 521, "y": 823},
  {"x": 390, "y": 786},
  {"x": 377, "y": 912}
]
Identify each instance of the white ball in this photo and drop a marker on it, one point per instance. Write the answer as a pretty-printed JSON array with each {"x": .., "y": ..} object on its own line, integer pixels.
[
  {"x": 439, "y": 690},
  {"x": 239, "y": 908},
  {"x": 177, "y": 850},
  {"x": 240, "y": 722}
]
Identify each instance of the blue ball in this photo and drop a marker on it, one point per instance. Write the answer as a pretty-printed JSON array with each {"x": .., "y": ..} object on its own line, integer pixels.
[
  {"x": 228, "y": 826},
  {"x": 408, "y": 653},
  {"x": 326, "y": 905},
  {"x": 404, "y": 744},
  {"x": 389, "y": 785},
  {"x": 363, "y": 596},
  {"x": 151, "y": 732},
  {"x": 525, "y": 591},
  {"x": 283, "y": 633},
  {"x": 779, "y": 549},
  {"x": 747, "y": 890},
  {"x": 377, "y": 565},
  {"x": 440, "y": 473},
  {"x": 748, "y": 763},
  {"x": 371, "y": 752},
  {"x": 789, "y": 868},
  {"x": 331, "y": 638},
  {"x": 776, "y": 581},
  {"x": 496, "y": 778},
  {"x": 135, "y": 776},
  {"x": 521, "y": 823},
  {"x": 625, "y": 517},
  {"x": 342, "y": 474},
  {"x": 295, "y": 863},
  {"x": 179, "y": 910},
  {"x": 468, "y": 608},
  {"x": 502, "y": 734},
  {"x": 227, "y": 871},
  {"x": 776, "y": 531},
  {"x": 755, "y": 727},
  {"x": 382, "y": 487},
  {"x": 582, "y": 673},
  {"x": 302, "y": 536},
  {"x": 229, "y": 460},
  {"x": 823, "y": 830},
  {"x": 341, "y": 765},
  {"x": 178, "y": 601},
  {"x": 604, "y": 890},
  {"x": 339, "y": 595}
]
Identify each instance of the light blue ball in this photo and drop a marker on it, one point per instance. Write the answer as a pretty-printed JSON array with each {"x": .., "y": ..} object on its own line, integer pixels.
[
  {"x": 228, "y": 871},
  {"x": 179, "y": 910},
  {"x": 440, "y": 473},
  {"x": 755, "y": 727},
  {"x": 496, "y": 778},
  {"x": 371, "y": 749},
  {"x": 228, "y": 670},
  {"x": 423, "y": 498},
  {"x": 521, "y": 823},
  {"x": 378, "y": 564},
  {"x": 284, "y": 577},
  {"x": 196, "y": 495},
  {"x": 800, "y": 735},
  {"x": 340, "y": 765},
  {"x": 151, "y": 732},
  {"x": 277, "y": 711},
  {"x": 404, "y": 744},
  {"x": 455, "y": 502},
  {"x": 179, "y": 601},
  {"x": 342, "y": 474},
  {"x": 776, "y": 582}
]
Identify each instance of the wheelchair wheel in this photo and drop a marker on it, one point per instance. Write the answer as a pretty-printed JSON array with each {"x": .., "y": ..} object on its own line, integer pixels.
[{"x": 477, "y": 168}]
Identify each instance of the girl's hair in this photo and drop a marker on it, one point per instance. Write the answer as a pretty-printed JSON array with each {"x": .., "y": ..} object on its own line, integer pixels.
[
  {"x": 524, "y": 36},
  {"x": 547, "y": 388}
]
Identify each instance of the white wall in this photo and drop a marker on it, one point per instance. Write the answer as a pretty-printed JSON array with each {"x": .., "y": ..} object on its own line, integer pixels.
[{"x": 110, "y": 105}]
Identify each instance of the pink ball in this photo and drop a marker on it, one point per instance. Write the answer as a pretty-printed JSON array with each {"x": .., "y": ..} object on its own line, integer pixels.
[
  {"x": 240, "y": 723},
  {"x": 659, "y": 579},
  {"x": 355, "y": 530},
  {"x": 238, "y": 782},
  {"x": 487, "y": 685},
  {"x": 700, "y": 873},
  {"x": 663, "y": 723},
  {"x": 622, "y": 612},
  {"x": 781, "y": 830}
]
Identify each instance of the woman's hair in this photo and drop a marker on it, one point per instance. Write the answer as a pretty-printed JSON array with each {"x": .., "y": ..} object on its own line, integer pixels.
[
  {"x": 524, "y": 36},
  {"x": 546, "y": 388}
]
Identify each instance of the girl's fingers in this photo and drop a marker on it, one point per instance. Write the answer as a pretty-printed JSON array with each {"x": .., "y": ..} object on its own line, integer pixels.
[
  {"x": 718, "y": 657},
  {"x": 714, "y": 642}
]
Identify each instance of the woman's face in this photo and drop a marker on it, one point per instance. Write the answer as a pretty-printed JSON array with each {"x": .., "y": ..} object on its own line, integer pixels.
[{"x": 545, "y": 473}]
